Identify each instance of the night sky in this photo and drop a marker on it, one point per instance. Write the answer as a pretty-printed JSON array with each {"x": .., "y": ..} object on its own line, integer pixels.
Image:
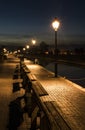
[{"x": 23, "y": 20}]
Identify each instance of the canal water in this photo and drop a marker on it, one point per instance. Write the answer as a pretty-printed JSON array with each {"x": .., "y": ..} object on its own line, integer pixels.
[{"x": 74, "y": 74}]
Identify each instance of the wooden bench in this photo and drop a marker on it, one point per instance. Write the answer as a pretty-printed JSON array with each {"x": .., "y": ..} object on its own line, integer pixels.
[
  {"x": 55, "y": 118},
  {"x": 38, "y": 89},
  {"x": 16, "y": 74},
  {"x": 31, "y": 77},
  {"x": 16, "y": 87},
  {"x": 26, "y": 70}
]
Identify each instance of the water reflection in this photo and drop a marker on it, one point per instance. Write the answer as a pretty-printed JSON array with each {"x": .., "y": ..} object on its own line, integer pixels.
[{"x": 74, "y": 74}]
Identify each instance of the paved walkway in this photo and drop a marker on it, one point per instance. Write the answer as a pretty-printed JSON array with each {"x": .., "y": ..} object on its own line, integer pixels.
[
  {"x": 69, "y": 97},
  {"x": 6, "y": 79}
]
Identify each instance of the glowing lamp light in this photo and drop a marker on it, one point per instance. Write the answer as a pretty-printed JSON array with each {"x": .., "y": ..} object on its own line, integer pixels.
[
  {"x": 55, "y": 24},
  {"x": 24, "y": 49},
  {"x": 34, "y": 42},
  {"x": 4, "y": 50},
  {"x": 18, "y": 50},
  {"x": 27, "y": 47}
]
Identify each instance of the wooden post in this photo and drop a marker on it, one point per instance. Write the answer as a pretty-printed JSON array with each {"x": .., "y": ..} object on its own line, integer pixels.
[
  {"x": 34, "y": 118},
  {"x": 44, "y": 123}
]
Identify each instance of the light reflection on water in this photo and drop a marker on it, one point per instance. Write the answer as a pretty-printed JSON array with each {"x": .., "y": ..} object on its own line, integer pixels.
[{"x": 74, "y": 74}]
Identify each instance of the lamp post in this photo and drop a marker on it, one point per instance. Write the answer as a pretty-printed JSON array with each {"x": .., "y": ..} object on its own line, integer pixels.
[{"x": 55, "y": 25}]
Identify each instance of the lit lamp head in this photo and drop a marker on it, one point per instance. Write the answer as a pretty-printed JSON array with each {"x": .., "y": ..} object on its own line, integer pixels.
[
  {"x": 27, "y": 47},
  {"x": 24, "y": 49},
  {"x": 18, "y": 51},
  {"x": 55, "y": 24},
  {"x": 34, "y": 42},
  {"x": 4, "y": 50}
]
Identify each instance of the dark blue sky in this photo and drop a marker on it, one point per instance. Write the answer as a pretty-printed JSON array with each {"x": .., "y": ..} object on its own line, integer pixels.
[{"x": 22, "y": 20}]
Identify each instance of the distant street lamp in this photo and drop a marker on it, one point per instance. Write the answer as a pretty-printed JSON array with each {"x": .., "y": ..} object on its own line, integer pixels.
[
  {"x": 27, "y": 46},
  {"x": 18, "y": 51},
  {"x": 24, "y": 49},
  {"x": 55, "y": 25},
  {"x": 33, "y": 42},
  {"x": 5, "y": 50}
]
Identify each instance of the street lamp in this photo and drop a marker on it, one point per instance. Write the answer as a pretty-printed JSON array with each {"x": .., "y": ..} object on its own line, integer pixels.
[
  {"x": 27, "y": 46},
  {"x": 55, "y": 25},
  {"x": 24, "y": 49},
  {"x": 33, "y": 42}
]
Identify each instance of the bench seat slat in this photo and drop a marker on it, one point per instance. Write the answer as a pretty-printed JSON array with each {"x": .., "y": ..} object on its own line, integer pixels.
[
  {"x": 58, "y": 119},
  {"x": 31, "y": 77},
  {"x": 39, "y": 89}
]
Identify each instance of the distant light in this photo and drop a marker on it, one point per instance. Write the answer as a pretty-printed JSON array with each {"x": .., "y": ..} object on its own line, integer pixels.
[
  {"x": 11, "y": 52},
  {"x": 46, "y": 52},
  {"x": 55, "y": 24},
  {"x": 18, "y": 50},
  {"x": 4, "y": 50},
  {"x": 27, "y": 47},
  {"x": 34, "y": 42},
  {"x": 15, "y": 52},
  {"x": 24, "y": 49}
]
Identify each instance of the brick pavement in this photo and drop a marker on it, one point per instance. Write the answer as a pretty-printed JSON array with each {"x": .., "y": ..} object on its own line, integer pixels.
[{"x": 69, "y": 97}]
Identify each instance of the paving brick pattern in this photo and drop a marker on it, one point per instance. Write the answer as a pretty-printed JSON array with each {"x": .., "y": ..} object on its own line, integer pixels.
[{"x": 69, "y": 97}]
